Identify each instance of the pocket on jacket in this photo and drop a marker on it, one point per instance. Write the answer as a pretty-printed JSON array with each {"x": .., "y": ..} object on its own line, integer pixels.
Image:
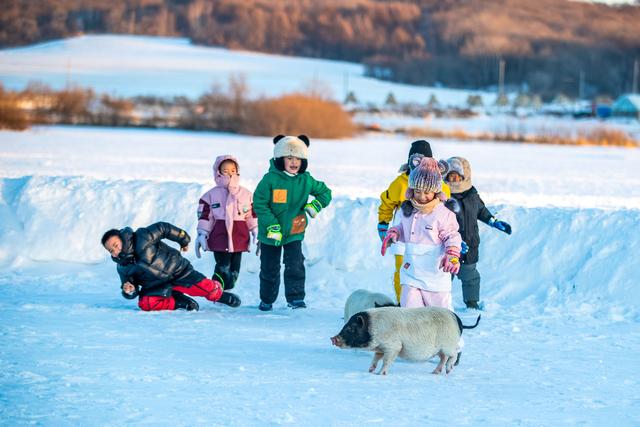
[
  {"x": 422, "y": 260},
  {"x": 299, "y": 224}
]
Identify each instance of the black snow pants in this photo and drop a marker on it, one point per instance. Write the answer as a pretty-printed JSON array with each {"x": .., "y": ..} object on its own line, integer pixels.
[
  {"x": 470, "y": 278},
  {"x": 227, "y": 268},
  {"x": 294, "y": 272}
]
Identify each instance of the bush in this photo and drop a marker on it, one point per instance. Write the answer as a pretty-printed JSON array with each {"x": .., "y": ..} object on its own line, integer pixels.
[
  {"x": 296, "y": 114},
  {"x": 11, "y": 115}
]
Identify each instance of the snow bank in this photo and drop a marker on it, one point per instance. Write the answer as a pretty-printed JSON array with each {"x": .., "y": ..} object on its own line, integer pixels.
[{"x": 557, "y": 257}]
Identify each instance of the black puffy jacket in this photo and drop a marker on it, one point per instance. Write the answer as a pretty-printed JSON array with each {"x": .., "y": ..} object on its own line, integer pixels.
[
  {"x": 148, "y": 263},
  {"x": 472, "y": 209}
]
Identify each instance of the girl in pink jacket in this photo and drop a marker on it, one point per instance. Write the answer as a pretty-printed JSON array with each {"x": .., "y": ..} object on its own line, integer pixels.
[
  {"x": 226, "y": 221},
  {"x": 429, "y": 231}
]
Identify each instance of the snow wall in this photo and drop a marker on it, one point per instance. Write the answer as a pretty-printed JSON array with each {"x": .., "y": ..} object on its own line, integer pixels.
[{"x": 558, "y": 258}]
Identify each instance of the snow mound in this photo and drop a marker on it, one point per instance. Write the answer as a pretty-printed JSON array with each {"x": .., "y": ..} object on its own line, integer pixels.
[{"x": 557, "y": 258}]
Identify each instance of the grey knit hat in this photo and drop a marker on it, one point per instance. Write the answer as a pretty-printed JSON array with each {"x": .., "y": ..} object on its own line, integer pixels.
[{"x": 426, "y": 176}]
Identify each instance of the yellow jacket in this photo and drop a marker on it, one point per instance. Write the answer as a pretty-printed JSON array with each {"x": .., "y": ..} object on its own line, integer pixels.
[{"x": 392, "y": 197}]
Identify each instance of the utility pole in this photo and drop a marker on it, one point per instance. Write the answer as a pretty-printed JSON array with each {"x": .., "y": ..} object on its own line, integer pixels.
[
  {"x": 501, "y": 78},
  {"x": 68, "y": 82},
  {"x": 636, "y": 71},
  {"x": 346, "y": 85},
  {"x": 581, "y": 85}
]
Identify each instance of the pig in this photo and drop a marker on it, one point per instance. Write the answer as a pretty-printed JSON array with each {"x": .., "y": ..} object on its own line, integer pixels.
[
  {"x": 362, "y": 299},
  {"x": 411, "y": 333}
]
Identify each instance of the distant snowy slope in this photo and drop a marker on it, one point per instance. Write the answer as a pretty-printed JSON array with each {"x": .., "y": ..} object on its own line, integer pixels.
[{"x": 138, "y": 65}]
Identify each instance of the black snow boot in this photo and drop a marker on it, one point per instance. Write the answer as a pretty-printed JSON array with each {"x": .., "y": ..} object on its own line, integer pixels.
[
  {"x": 297, "y": 304},
  {"x": 472, "y": 304},
  {"x": 265, "y": 307},
  {"x": 232, "y": 300},
  {"x": 183, "y": 302},
  {"x": 458, "y": 358}
]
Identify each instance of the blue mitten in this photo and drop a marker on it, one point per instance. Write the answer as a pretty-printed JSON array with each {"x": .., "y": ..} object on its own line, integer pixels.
[
  {"x": 382, "y": 230},
  {"x": 464, "y": 248},
  {"x": 500, "y": 225}
]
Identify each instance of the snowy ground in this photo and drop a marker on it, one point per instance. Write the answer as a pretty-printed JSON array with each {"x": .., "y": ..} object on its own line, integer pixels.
[{"x": 557, "y": 344}]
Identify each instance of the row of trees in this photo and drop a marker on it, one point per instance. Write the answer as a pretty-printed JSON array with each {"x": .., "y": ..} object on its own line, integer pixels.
[
  {"x": 227, "y": 110},
  {"x": 547, "y": 44}
]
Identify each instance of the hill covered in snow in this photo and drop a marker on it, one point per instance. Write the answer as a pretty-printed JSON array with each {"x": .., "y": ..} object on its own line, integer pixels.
[{"x": 135, "y": 65}]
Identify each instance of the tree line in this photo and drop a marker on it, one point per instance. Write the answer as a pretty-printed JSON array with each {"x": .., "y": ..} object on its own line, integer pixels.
[{"x": 548, "y": 46}]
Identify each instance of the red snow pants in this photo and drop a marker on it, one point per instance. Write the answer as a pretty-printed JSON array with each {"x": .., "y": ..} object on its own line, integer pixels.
[{"x": 210, "y": 289}]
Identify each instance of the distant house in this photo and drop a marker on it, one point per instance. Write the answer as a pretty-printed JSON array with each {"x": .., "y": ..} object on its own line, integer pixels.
[{"x": 627, "y": 106}]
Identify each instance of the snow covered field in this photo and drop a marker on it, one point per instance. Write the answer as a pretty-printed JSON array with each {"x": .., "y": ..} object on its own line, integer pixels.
[
  {"x": 138, "y": 65},
  {"x": 557, "y": 345}
]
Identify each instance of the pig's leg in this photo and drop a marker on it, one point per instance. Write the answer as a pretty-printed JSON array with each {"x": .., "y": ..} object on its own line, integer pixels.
[
  {"x": 388, "y": 359},
  {"x": 450, "y": 361},
  {"x": 443, "y": 359},
  {"x": 374, "y": 363}
]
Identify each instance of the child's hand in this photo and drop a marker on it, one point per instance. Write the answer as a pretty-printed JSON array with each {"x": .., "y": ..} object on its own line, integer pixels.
[
  {"x": 500, "y": 225},
  {"x": 450, "y": 262},
  {"x": 313, "y": 208},
  {"x": 201, "y": 242},
  {"x": 274, "y": 233},
  {"x": 128, "y": 288},
  {"x": 382, "y": 230},
  {"x": 391, "y": 237}
]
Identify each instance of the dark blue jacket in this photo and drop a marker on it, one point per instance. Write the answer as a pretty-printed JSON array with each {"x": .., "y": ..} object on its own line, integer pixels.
[{"x": 472, "y": 209}]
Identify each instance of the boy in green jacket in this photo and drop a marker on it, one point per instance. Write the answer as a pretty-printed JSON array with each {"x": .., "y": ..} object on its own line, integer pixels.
[{"x": 281, "y": 203}]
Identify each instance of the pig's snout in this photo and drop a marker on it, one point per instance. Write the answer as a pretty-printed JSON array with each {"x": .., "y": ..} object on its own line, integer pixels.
[{"x": 337, "y": 340}]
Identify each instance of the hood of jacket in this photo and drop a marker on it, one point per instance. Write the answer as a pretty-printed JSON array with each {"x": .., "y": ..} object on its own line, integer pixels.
[
  {"x": 274, "y": 169},
  {"x": 228, "y": 182},
  {"x": 461, "y": 166},
  {"x": 127, "y": 254}
]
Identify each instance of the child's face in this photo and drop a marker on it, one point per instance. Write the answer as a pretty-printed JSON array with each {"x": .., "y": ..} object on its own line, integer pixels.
[
  {"x": 113, "y": 246},
  {"x": 454, "y": 177},
  {"x": 292, "y": 164},
  {"x": 422, "y": 196},
  {"x": 228, "y": 168}
]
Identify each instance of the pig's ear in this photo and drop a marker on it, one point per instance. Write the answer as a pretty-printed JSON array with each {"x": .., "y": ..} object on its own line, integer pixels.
[{"x": 360, "y": 320}]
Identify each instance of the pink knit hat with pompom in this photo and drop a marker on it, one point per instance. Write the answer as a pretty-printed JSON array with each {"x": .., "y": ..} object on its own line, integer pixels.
[{"x": 426, "y": 176}]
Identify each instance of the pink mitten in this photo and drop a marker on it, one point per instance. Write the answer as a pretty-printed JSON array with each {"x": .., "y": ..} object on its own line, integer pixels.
[
  {"x": 451, "y": 260},
  {"x": 391, "y": 237}
]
